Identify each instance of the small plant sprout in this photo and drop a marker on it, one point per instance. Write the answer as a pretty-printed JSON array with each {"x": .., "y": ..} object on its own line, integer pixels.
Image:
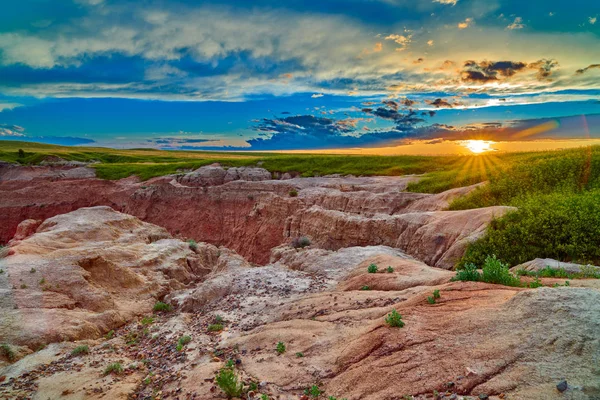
[
  {"x": 32, "y": 271},
  {"x": 293, "y": 193},
  {"x": 42, "y": 281},
  {"x": 7, "y": 352},
  {"x": 372, "y": 269},
  {"x": 390, "y": 270},
  {"x": 264, "y": 397},
  {"x": 215, "y": 327},
  {"x": 394, "y": 319},
  {"x": 230, "y": 364},
  {"x": 436, "y": 294},
  {"x": 160, "y": 306},
  {"x": 147, "y": 320},
  {"x": 114, "y": 368},
  {"x": 280, "y": 348},
  {"x": 431, "y": 299},
  {"x": 536, "y": 283},
  {"x": 365, "y": 288},
  {"x": 193, "y": 245},
  {"x": 182, "y": 342},
  {"x": 218, "y": 319},
  {"x": 109, "y": 335},
  {"x": 229, "y": 383},
  {"x": 313, "y": 391},
  {"x": 299, "y": 354}
]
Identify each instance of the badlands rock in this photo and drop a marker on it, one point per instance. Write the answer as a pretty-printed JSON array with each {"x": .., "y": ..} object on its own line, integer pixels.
[
  {"x": 541, "y": 263},
  {"x": 251, "y": 215},
  {"x": 89, "y": 271}
]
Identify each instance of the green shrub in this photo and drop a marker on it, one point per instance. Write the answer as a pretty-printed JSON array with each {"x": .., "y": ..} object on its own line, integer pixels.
[
  {"x": 436, "y": 294},
  {"x": 468, "y": 273},
  {"x": 394, "y": 319},
  {"x": 32, "y": 271},
  {"x": 390, "y": 270},
  {"x": 8, "y": 352},
  {"x": 535, "y": 283},
  {"x": 215, "y": 327},
  {"x": 218, "y": 319},
  {"x": 229, "y": 383},
  {"x": 109, "y": 335},
  {"x": 300, "y": 242},
  {"x": 299, "y": 354},
  {"x": 160, "y": 306},
  {"x": 365, "y": 288},
  {"x": 372, "y": 269},
  {"x": 280, "y": 348},
  {"x": 430, "y": 300},
  {"x": 147, "y": 320},
  {"x": 80, "y": 350},
  {"x": 293, "y": 193},
  {"x": 313, "y": 391},
  {"x": 114, "y": 368},
  {"x": 495, "y": 271},
  {"x": 192, "y": 245}
]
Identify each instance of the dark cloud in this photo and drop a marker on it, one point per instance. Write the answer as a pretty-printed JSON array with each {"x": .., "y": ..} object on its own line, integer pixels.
[
  {"x": 401, "y": 119},
  {"x": 544, "y": 68},
  {"x": 441, "y": 103},
  {"x": 176, "y": 141},
  {"x": 407, "y": 102},
  {"x": 584, "y": 70},
  {"x": 491, "y": 71},
  {"x": 391, "y": 104}
]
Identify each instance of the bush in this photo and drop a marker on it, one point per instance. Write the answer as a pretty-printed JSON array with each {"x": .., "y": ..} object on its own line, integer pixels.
[
  {"x": 436, "y": 294},
  {"x": 160, "y": 306},
  {"x": 229, "y": 383},
  {"x": 215, "y": 327},
  {"x": 535, "y": 283},
  {"x": 147, "y": 320},
  {"x": 365, "y": 288},
  {"x": 109, "y": 335},
  {"x": 394, "y": 319},
  {"x": 114, "y": 368},
  {"x": 293, "y": 193},
  {"x": 193, "y": 245},
  {"x": 494, "y": 271},
  {"x": 299, "y": 354},
  {"x": 430, "y": 300},
  {"x": 8, "y": 352},
  {"x": 80, "y": 350},
  {"x": 313, "y": 391},
  {"x": 390, "y": 270},
  {"x": 372, "y": 269},
  {"x": 182, "y": 342},
  {"x": 280, "y": 348},
  {"x": 562, "y": 226},
  {"x": 300, "y": 242}
]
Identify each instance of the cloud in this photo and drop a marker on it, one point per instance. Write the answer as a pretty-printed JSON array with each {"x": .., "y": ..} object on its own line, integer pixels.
[
  {"x": 593, "y": 20},
  {"x": 439, "y": 103},
  {"x": 402, "y": 40},
  {"x": 430, "y": 43},
  {"x": 517, "y": 24},
  {"x": 466, "y": 23},
  {"x": 451, "y": 2},
  {"x": 11, "y": 130},
  {"x": 544, "y": 68},
  {"x": 317, "y": 95},
  {"x": 491, "y": 71},
  {"x": 584, "y": 70}
]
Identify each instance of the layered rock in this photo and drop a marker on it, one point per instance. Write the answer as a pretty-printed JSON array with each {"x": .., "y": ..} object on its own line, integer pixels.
[
  {"x": 83, "y": 273},
  {"x": 242, "y": 210}
]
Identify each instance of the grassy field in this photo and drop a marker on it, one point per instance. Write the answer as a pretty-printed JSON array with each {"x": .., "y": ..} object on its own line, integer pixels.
[{"x": 557, "y": 193}]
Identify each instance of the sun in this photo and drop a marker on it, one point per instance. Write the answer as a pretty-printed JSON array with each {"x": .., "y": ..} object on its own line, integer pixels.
[{"x": 478, "y": 146}]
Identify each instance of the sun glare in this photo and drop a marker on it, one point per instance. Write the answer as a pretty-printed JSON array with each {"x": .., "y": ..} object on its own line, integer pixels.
[{"x": 478, "y": 146}]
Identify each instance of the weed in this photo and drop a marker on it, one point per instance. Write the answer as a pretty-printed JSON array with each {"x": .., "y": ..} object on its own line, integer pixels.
[
  {"x": 280, "y": 348},
  {"x": 229, "y": 383},
  {"x": 313, "y": 391},
  {"x": 536, "y": 283},
  {"x": 394, "y": 319},
  {"x": 114, "y": 368},
  {"x": 494, "y": 271},
  {"x": 230, "y": 364},
  {"x": 215, "y": 327},
  {"x": 80, "y": 350},
  {"x": 300, "y": 242},
  {"x": 293, "y": 193},
  {"x": 372, "y": 269},
  {"x": 184, "y": 340},
  {"x": 468, "y": 273},
  {"x": 431, "y": 299},
  {"x": 192, "y": 245},
  {"x": 147, "y": 320},
  {"x": 365, "y": 288},
  {"x": 8, "y": 352},
  {"x": 299, "y": 354},
  {"x": 109, "y": 335},
  {"x": 264, "y": 397},
  {"x": 218, "y": 319},
  {"x": 42, "y": 281},
  {"x": 32, "y": 271},
  {"x": 436, "y": 294},
  {"x": 160, "y": 306},
  {"x": 390, "y": 270},
  {"x": 23, "y": 286}
]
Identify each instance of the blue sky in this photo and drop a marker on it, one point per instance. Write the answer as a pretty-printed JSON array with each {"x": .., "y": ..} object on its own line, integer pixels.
[{"x": 268, "y": 75}]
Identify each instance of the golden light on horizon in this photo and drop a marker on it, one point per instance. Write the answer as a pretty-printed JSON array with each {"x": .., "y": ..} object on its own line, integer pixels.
[{"x": 478, "y": 146}]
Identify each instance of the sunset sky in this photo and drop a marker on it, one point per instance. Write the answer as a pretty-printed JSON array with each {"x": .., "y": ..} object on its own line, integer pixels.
[{"x": 298, "y": 75}]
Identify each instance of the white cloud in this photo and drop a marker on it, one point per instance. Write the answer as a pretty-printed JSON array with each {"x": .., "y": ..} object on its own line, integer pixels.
[
  {"x": 593, "y": 20},
  {"x": 466, "y": 23},
  {"x": 452, "y": 2},
  {"x": 517, "y": 24},
  {"x": 317, "y": 95}
]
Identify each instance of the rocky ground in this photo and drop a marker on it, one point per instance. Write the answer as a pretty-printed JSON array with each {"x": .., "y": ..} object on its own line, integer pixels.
[{"x": 80, "y": 282}]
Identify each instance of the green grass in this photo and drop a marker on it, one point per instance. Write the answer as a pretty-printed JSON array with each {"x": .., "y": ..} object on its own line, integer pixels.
[
  {"x": 7, "y": 351},
  {"x": 493, "y": 271},
  {"x": 229, "y": 383},
  {"x": 114, "y": 368},
  {"x": 160, "y": 306},
  {"x": 548, "y": 272},
  {"x": 215, "y": 327},
  {"x": 80, "y": 350}
]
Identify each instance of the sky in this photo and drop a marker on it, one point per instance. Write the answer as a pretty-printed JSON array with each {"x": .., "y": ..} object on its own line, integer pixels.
[{"x": 298, "y": 75}]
